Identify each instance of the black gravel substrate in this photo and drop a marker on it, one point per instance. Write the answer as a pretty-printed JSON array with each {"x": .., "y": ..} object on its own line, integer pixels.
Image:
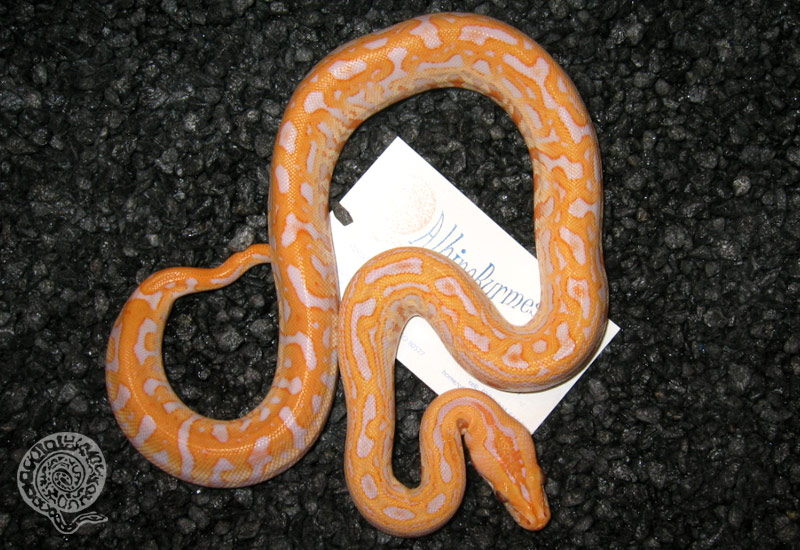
[{"x": 138, "y": 135}]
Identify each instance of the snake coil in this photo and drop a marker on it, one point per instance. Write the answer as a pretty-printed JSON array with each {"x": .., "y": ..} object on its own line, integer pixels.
[{"x": 355, "y": 81}]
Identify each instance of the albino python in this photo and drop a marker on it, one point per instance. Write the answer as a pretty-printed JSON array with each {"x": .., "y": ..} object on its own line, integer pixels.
[{"x": 344, "y": 89}]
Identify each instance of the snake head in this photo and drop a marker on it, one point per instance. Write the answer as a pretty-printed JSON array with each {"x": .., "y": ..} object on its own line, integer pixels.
[
  {"x": 527, "y": 502},
  {"x": 504, "y": 454}
]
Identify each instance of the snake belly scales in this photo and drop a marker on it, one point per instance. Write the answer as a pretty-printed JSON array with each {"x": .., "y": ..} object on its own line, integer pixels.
[{"x": 345, "y": 88}]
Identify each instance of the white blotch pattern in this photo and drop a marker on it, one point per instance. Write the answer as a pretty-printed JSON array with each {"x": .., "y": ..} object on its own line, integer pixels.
[
  {"x": 575, "y": 243},
  {"x": 259, "y": 457},
  {"x": 307, "y": 192},
  {"x": 298, "y": 432},
  {"x": 396, "y": 56},
  {"x": 376, "y": 44},
  {"x": 369, "y": 487},
  {"x": 113, "y": 340},
  {"x": 288, "y": 137},
  {"x": 436, "y": 503},
  {"x": 329, "y": 380},
  {"x": 345, "y": 70},
  {"x": 151, "y": 384},
  {"x": 513, "y": 357},
  {"x": 220, "y": 432},
  {"x": 294, "y": 385},
  {"x": 187, "y": 459},
  {"x": 306, "y": 346},
  {"x": 573, "y": 170},
  {"x": 311, "y": 160},
  {"x": 146, "y": 428},
  {"x": 480, "y": 34},
  {"x": 399, "y": 514},
  {"x": 365, "y": 443},
  {"x": 389, "y": 290},
  {"x": 455, "y": 62},
  {"x": 147, "y": 327},
  {"x": 483, "y": 67},
  {"x": 282, "y": 178},
  {"x": 513, "y": 90},
  {"x": 161, "y": 458},
  {"x": 579, "y": 208},
  {"x": 361, "y": 310},
  {"x": 295, "y": 226},
  {"x": 221, "y": 281},
  {"x": 449, "y": 286},
  {"x": 152, "y": 299},
  {"x": 405, "y": 267},
  {"x": 578, "y": 289},
  {"x": 305, "y": 296},
  {"x": 123, "y": 394},
  {"x": 222, "y": 466},
  {"x": 565, "y": 342},
  {"x": 429, "y": 34},
  {"x": 480, "y": 341}
]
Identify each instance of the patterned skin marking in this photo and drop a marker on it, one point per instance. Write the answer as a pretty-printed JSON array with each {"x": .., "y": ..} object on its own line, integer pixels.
[
  {"x": 147, "y": 328},
  {"x": 220, "y": 431},
  {"x": 288, "y": 136},
  {"x": 369, "y": 487},
  {"x": 123, "y": 394},
  {"x": 298, "y": 432},
  {"x": 220, "y": 467},
  {"x": 365, "y": 444},
  {"x": 345, "y": 88},
  {"x": 479, "y": 34},
  {"x": 281, "y": 175},
  {"x": 160, "y": 458},
  {"x": 429, "y": 34},
  {"x": 398, "y": 513},
  {"x": 345, "y": 70},
  {"x": 436, "y": 503},
  {"x": 146, "y": 429}
]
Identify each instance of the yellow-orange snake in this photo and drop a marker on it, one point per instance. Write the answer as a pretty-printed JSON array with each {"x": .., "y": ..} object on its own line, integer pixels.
[{"x": 345, "y": 88}]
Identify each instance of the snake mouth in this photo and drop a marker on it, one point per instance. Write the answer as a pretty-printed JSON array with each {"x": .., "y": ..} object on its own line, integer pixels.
[
  {"x": 533, "y": 518},
  {"x": 533, "y": 514}
]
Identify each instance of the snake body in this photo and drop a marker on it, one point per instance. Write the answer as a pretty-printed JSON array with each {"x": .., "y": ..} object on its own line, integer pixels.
[{"x": 345, "y": 88}]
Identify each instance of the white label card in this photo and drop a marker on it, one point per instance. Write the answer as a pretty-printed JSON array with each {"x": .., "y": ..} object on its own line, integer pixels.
[{"x": 403, "y": 201}]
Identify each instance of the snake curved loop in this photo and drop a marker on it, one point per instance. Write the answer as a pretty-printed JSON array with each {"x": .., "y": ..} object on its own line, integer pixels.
[{"x": 345, "y": 88}]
